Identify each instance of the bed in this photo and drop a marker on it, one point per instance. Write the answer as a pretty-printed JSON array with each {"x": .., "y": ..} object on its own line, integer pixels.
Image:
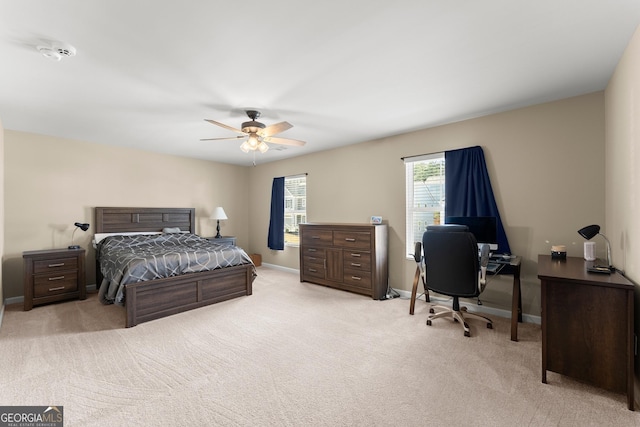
[{"x": 146, "y": 300}]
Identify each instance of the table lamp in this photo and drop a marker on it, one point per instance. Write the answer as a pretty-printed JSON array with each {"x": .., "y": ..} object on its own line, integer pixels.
[
  {"x": 82, "y": 226},
  {"x": 589, "y": 232},
  {"x": 218, "y": 214}
]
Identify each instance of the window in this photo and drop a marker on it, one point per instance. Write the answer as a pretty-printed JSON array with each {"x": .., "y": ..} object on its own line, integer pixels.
[
  {"x": 425, "y": 195},
  {"x": 295, "y": 207}
]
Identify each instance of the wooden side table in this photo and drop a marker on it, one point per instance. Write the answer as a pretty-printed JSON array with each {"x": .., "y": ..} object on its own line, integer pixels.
[
  {"x": 53, "y": 275},
  {"x": 224, "y": 240}
]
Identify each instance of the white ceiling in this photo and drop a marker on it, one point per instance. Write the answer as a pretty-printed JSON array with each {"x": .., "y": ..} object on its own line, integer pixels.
[{"x": 147, "y": 73}]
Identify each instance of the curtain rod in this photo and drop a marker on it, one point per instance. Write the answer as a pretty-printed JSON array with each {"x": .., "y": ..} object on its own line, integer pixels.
[
  {"x": 293, "y": 176},
  {"x": 438, "y": 152},
  {"x": 420, "y": 155}
]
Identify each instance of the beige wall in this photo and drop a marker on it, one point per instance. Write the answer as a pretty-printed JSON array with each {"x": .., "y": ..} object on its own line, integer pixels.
[
  {"x": 622, "y": 112},
  {"x": 546, "y": 164},
  {"x": 52, "y": 183}
]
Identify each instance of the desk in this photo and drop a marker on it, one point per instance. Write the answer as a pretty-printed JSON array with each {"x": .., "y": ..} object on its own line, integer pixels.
[
  {"x": 512, "y": 266},
  {"x": 587, "y": 324}
]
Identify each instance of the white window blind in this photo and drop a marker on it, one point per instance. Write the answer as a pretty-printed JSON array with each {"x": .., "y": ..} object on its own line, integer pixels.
[
  {"x": 295, "y": 207},
  {"x": 425, "y": 195}
]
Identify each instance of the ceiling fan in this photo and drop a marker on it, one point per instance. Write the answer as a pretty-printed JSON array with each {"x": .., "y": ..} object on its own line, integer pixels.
[{"x": 258, "y": 134}]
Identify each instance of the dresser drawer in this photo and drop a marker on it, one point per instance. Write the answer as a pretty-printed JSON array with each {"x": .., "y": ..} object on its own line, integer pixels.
[
  {"x": 357, "y": 260},
  {"x": 310, "y": 259},
  {"x": 45, "y": 285},
  {"x": 314, "y": 270},
  {"x": 352, "y": 240},
  {"x": 317, "y": 237},
  {"x": 313, "y": 252},
  {"x": 358, "y": 278},
  {"x": 55, "y": 264}
]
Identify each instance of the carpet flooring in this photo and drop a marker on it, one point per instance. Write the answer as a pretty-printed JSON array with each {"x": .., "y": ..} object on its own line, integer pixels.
[{"x": 291, "y": 354}]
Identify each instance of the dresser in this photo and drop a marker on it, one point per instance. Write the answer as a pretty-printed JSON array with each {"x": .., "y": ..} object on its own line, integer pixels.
[
  {"x": 53, "y": 275},
  {"x": 351, "y": 257},
  {"x": 587, "y": 324}
]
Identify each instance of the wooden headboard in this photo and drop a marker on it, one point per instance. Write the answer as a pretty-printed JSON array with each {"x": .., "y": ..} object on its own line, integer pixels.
[{"x": 113, "y": 220}]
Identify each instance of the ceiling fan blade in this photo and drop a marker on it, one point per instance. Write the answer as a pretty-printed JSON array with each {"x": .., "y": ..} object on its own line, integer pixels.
[
  {"x": 283, "y": 141},
  {"x": 276, "y": 128},
  {"x": 222, "y": 125},
  {"x": 225, "y": 138}
]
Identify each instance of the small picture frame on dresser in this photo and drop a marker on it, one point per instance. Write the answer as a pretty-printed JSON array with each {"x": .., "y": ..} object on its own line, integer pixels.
[{"x": 376, "y": 220}]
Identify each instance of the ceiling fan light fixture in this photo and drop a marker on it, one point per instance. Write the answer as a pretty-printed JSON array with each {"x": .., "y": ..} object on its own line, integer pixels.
[
  {"x": 263, "y": 147},
  {"x": 253, "y": 141},
  {"x": 245, "y": 147},
  {"x": 258, "y": 135}
]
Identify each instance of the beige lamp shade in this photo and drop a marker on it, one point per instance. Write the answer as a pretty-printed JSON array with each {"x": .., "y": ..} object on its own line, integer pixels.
[{"x": 218, "y": 213}]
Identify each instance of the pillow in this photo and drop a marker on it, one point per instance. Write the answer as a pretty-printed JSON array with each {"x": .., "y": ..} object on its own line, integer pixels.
[
  {"x": 99, "y": 236},
  {"x": 171, "y": 230}
]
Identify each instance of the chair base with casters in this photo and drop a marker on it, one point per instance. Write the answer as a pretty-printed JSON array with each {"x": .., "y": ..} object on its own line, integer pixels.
[{"x": 457, "y": 314}]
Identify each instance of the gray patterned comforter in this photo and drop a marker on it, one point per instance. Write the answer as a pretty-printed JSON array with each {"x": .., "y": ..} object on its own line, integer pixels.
[{"x": 131, "y": 259}]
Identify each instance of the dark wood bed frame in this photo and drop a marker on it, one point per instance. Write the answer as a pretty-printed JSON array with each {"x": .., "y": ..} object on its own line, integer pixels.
[{"x": 158, "y": 298}]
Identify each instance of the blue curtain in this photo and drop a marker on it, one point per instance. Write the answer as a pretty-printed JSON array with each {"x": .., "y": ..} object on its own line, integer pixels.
[
  {"x": 276, "y": 222},
  {"x": 468, "y": 189}
]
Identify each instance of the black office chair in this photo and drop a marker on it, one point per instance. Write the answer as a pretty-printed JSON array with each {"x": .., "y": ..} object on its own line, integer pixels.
[{"x": 453, "y": 268}]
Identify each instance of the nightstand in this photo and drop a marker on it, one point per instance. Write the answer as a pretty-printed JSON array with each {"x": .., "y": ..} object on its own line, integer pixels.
[
  {"x": 53, "y": 275},
  {"x": 224, "y": 240}
]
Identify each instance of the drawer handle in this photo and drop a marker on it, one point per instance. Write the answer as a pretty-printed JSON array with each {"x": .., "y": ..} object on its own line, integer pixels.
[
  {"x": 56, "y": 278},
  {"x": 353, "y": 264},
  {"x": 356, "y": 255},
  {"x": 59, "y": 288},
  {"x": 313, "y": 270},
  {"x": 312, "y": 258},
  {"x": 315, "y": 237},
  {"x": 356, "y": 278},
  {"x": 312, "y": 250},
  {"x": 349, "y": 239},
  {"x": 60, "y": 264}
]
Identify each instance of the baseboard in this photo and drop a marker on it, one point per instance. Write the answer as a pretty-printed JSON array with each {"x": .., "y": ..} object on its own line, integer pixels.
[
  {"x": 526, "y": 318},
  {"x": 20, "y": 299},
  {"x": 279, "y": 267},
  {"x": 14, "y": 300},
  {"x": 1, "y": 314}
]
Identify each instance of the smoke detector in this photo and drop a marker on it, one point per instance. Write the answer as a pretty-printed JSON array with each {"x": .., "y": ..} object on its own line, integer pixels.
[{"x": 57, "y": 51}]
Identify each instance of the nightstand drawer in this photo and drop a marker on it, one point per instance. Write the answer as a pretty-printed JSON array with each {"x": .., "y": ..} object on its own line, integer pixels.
[
  {"x": 55, "y": 264},
  {"x": 44, "y": 285},
  {"x": 224, "y": 240}
]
